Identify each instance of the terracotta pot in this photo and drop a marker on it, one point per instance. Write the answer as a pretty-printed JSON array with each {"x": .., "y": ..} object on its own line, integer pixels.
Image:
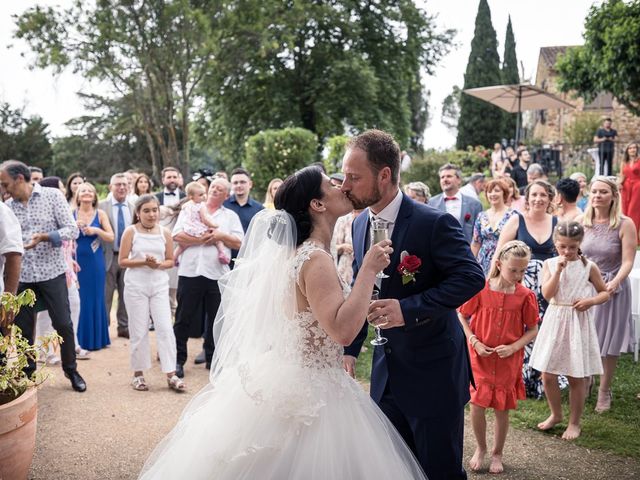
[{"x": 18, "y": 420}]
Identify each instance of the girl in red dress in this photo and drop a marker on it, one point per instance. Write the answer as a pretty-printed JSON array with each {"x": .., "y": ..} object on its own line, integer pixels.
[
  {"x": 504, "y": 318},
  {"x": 631, "y": 185}
]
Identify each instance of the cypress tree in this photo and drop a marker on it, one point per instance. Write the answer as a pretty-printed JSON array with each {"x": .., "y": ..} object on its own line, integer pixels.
[
  {"x": 510, "y": 76},
  {"x": 480, "y": 122}
]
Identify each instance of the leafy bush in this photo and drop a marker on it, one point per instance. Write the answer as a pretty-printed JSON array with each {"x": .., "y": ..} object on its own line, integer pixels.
[
  {"x": 278, "y": 153},
  {"x": 335, "y": 152},
  {"x": 424, "y": 168}
]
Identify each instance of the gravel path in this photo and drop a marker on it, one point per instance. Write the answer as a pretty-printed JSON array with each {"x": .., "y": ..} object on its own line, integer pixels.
[{"x": 108, "y": 431}]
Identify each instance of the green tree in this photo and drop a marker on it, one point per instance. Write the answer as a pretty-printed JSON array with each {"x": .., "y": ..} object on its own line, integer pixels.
[
  {"x": 609, "y": 60},
  {"x": 279, "y": 153},
  {"x": 480, "y": 123},
  {"x": 510, "y": 76},
  {"x": 328, "y": 67},
  {"x": 451, "y": 109},
  {"x": 24, "y": 138},
  {"x": 154, "y": 53}
]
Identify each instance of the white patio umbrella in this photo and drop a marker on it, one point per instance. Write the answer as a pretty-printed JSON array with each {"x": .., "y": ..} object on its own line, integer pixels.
[{"x": 517, "y": 98}]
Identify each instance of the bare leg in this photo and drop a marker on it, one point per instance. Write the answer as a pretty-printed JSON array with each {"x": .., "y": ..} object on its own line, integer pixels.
[
  {"x": 176, "y": 254},
  {"x": 479, "y": 424},
  {"x": 500, "y": 436},
  {"x": 222, "y": 255},
  {"x": 554, "y": 399},
  {"x": 576, "y": 407},
  {"x": 609, "y": 364}
]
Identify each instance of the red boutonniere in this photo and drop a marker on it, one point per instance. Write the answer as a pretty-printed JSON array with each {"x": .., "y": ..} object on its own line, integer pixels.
[
  {"x": 408, "y": 267},
  {"x": 467, "y": 217}
]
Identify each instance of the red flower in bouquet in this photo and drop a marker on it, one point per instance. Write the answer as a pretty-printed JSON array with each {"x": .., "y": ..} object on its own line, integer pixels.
[{"x": 408, "y": 267}]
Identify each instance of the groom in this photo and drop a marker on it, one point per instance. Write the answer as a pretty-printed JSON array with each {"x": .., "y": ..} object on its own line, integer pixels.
[{"x": 420, "y": 378}]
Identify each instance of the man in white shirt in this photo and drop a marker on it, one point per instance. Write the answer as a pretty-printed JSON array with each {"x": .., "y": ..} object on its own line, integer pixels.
[
  {"x": 200, "y": 270},
  {"x": 11, "y": 250},
  {"x": 474, "y": 186},
  {"x": 120, "y": 213}
]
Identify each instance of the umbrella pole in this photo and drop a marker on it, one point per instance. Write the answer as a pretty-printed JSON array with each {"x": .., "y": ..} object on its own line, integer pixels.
[{"x": 519, "y": 113}]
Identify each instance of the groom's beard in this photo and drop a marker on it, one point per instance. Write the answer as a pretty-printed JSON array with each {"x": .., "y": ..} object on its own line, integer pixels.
[{"x": 362, "y": 203}]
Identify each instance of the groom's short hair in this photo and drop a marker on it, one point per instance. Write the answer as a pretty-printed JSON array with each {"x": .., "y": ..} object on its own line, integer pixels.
[{"x": 381, "y": 149}]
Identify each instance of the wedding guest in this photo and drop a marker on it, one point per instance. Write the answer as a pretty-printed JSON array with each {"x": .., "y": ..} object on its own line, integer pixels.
[
  {"x": 474, "y": 186},
  {"x": 11, "y": 250},
  {"x": 420, "y": 377},
  {"x": 200, "y": 270},
  {"x": 534, "y": 227},
  {"x": 568, "y": 191},
  {"x": 204, "y": 176},
  {"x": 45, "y": 219},
  {"x": 515, "y": 201},
  {"x": 146, "y": 253},
  {"x": 36, "y": 174},
  {"x": 505, "y": 319},
  {"x": 463, "y": 208},
  {"x": 73, "y": 182},
  {"x": 610, "y": 242},
  {"x": 630, "y": 192},
  {"x": 517, "y": 167},
  {"x": 272, "y": 188},
  {"x": 490, "y": 223},
  {"x": 342, "y": 246},
  {"x": 143, "y": 185},
  {"x": 418, "y": 192},
  {"x": 43, "y": 322},
  {"x": 172, "y": 193},
  {"x": 241, "y": 202},
  {"x": 605, "y": 139},
  {"x": 120, "y": 214},
  {"x": 583, "y": 197},
  {"x": 498, "y": 159},
  {"x": 95, "y": 230}
]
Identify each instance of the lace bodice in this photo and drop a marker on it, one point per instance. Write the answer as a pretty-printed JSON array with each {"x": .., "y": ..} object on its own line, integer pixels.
[{"x": 314, "y": 347}]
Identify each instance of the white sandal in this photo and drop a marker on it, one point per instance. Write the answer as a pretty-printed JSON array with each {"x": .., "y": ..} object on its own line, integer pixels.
[
  {"x": 175, "y": 383},
  {"x": 139, "y": 384}
]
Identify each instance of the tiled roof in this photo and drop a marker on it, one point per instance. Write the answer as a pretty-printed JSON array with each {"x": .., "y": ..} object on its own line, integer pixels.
[{"x": 550, "y": 54}]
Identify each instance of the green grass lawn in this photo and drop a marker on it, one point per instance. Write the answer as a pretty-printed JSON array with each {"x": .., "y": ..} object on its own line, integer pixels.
[{"x": 616, "y": 431}]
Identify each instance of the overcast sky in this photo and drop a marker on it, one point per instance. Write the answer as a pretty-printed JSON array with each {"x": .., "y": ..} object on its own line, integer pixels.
[{"x": 536, "y": 24}]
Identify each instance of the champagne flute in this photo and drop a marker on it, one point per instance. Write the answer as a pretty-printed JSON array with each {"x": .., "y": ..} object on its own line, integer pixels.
[
  {"x": 380, "y": 232},
  {"x": 379, "y": 340}
]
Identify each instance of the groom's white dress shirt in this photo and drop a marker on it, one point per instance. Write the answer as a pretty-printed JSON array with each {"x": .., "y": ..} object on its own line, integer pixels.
[{"x": 389, "y": 213}]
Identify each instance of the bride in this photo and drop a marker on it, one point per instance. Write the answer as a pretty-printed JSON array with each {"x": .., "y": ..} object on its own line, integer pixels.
[{"x": 279, "y": 404}]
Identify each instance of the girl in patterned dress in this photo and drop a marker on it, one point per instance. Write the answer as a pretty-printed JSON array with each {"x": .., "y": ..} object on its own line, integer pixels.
[
  {"x": 504, "y": 318},
  {"x": 568, "y": 342}
]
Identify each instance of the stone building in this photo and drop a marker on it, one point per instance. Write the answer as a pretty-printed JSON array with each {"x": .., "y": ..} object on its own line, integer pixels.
[{"x": 549, "y": 126}]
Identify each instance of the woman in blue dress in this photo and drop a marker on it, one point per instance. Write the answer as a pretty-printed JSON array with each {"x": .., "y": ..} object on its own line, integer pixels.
[
  {"x": 490, "y": 222},
  {"x": 535, "y": 228},
  {"x": 94, "y": 225}
]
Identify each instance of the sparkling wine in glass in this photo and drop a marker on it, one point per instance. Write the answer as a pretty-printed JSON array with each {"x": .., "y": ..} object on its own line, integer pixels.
[
  {"x": 379, "y": 340},
  {"x": 380, "y": 232}
]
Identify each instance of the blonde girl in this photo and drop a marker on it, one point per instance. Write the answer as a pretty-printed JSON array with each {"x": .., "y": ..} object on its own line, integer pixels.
[{"x": 498, "y": 322}]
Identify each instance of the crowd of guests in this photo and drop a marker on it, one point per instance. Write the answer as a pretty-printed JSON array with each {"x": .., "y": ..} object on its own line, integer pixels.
[{"x": 164, "y": 252}]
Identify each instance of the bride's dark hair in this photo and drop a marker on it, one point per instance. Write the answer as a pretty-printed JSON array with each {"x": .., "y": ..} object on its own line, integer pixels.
[{"x": 295, "y": 195}]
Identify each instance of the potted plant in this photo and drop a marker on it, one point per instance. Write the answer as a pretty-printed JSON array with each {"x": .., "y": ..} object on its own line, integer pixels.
[{"x": 18, "y": 395}]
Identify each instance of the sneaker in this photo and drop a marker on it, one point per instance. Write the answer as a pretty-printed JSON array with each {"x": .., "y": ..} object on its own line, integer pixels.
[{"x": 82, "y": 354}]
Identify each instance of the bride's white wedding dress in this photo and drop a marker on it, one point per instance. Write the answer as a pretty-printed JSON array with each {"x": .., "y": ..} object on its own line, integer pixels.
[{"x": 288, "y": 411}]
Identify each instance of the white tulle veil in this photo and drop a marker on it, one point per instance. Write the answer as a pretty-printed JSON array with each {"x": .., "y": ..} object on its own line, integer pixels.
[{"x": 258, "y": 295}]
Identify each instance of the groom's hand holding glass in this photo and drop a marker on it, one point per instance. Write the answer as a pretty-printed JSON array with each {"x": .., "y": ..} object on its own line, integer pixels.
[{"x": 386, "y": 312}]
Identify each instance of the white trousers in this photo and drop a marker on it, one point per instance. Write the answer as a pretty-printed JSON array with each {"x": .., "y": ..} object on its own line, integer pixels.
[
  {"x": 144, "y": 299},
  {"x": 43, "y": 322}
]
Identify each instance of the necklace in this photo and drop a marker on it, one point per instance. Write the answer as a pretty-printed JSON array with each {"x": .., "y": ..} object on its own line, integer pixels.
[{"x": 147, "y": 229}]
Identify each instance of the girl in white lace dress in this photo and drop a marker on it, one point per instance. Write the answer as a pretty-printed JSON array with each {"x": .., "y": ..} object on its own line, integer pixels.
[
  {"x": 280, "y": 405},
  {"x": 568, "y": 343}
]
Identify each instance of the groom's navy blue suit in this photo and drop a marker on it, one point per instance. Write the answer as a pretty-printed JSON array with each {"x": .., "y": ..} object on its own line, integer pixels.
[{"x": 420, "y": 378}]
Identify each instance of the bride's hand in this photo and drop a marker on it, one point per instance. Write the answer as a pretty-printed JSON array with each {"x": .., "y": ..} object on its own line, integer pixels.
[{"x": 378, "y": 256}]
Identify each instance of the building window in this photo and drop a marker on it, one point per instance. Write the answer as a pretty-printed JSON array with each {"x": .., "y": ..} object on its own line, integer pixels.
[{"x": 603, "y": 101}]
